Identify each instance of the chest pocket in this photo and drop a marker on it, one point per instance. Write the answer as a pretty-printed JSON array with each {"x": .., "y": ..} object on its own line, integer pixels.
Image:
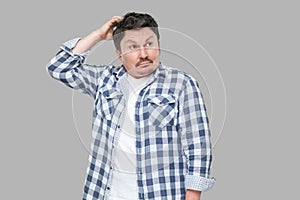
[
  {"x": 107, "y": 103},
  {"x": 162, "y": 110}
]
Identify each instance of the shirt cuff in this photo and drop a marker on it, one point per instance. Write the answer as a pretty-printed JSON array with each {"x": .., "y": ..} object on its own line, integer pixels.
[
  {"x": 199, "y": 183},
  {"x": 69, "y": 45}
]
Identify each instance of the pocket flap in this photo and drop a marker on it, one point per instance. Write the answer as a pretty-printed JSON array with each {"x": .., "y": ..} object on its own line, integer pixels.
[
  {"x": 110, "y": 93},
  {"x": 162, "y": 99}
]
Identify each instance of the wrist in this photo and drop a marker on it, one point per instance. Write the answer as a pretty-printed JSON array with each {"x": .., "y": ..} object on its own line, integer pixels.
[{"x": 192, "y": 194}]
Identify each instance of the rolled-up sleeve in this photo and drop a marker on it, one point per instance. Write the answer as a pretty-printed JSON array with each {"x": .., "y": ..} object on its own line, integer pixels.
[
  {"x": 195, "y": 137},
  {"x": 71, "y": 70}
]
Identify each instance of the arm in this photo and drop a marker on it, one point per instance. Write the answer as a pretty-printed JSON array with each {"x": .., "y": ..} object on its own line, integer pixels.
[
  {"x": 195, "y": 138},
  {"x": 68, "y": 64},
  {"x": 192, "y": 195},
  {"x": 102, "y": 33}
]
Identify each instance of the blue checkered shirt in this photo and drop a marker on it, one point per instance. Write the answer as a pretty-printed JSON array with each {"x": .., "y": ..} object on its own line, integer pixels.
[{"x": 173, "y": 149}]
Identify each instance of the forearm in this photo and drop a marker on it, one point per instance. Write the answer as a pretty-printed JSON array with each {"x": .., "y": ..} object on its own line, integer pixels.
[
  {"x": 102, "y": 33},
  {"x": 85, "y": 44},
  {"x": 192, "y": 195}
]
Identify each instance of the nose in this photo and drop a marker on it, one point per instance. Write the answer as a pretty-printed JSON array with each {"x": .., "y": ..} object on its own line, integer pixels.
[{"x": 143, "y": 52}]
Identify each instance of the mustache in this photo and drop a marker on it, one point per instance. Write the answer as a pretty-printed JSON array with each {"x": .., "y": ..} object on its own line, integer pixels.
[{"x": 144, "y": 60}]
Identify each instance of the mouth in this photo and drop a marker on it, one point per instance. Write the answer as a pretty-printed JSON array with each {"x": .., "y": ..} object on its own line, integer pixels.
[{"x": 144, "y": 64}]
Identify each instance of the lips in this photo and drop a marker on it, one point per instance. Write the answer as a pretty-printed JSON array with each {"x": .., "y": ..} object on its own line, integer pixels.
[{"x": 144, "y": 63}]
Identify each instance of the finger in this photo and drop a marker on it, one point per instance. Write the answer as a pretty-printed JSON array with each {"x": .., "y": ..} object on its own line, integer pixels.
[
  {"x": 117, "y": 17},
  {"x": 114, "y": 21}
]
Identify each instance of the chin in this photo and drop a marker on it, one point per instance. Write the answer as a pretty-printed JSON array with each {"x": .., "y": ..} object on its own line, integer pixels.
[{"x": 142, "y": 73}]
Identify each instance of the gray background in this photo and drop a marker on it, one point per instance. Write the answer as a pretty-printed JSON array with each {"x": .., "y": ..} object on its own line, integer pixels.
[{"x": 254, "y": 43}]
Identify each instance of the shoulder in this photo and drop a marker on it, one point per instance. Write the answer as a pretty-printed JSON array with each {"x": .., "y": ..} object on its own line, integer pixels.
[
  {"x": 106, "y": 70},
  {"x": 107, "y": 74},
  {"x": 176, "y": 74}
]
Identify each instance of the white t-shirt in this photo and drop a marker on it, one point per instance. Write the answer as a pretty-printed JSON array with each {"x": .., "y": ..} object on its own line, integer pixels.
[{"x": 124, "y": 182}]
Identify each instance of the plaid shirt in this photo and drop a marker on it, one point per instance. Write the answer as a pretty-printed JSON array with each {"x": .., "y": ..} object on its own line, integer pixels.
[{"x": 173, "y": 149}]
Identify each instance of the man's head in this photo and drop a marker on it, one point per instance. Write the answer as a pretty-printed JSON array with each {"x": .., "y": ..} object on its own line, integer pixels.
[
  {"x": 136, "y": 39},
  {"x": 133, "y": 21}
]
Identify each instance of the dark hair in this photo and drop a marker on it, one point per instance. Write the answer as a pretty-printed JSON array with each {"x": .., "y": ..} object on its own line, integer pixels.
[{"x": 131, "y": 21}]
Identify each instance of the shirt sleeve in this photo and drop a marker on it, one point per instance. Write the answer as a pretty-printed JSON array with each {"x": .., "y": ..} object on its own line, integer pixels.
[
  {"x": 70, "y": 69},
  {"x": 195, "y": 137}
]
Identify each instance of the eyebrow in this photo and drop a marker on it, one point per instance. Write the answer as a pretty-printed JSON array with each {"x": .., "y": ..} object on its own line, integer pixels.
[{"x": 132, "y": 41}]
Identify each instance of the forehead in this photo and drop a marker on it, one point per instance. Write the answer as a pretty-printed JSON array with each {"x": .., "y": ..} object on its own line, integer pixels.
[{"x": 139, "y": 35}]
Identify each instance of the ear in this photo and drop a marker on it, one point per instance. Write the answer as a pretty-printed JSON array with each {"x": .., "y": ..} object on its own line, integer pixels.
[
  {"x": 120, "y": 57},
  {"x": 159, "y": 47}
]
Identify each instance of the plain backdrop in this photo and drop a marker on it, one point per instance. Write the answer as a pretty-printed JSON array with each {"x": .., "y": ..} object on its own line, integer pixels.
[{"x": 251, "y": 89}]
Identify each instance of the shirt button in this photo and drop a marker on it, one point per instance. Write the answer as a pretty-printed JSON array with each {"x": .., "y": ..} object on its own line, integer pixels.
[
  {"x": 118, "y": 126},
  {"x": 111, "y": 167},
  {"x": 108, "y": 188}
]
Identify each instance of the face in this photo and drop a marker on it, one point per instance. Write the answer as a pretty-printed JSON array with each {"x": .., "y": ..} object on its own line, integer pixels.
[{"x": 139, "y": 52}]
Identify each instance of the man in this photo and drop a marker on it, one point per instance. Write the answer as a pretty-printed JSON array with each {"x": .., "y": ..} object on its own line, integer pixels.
[{"x": 151, "y": 138}]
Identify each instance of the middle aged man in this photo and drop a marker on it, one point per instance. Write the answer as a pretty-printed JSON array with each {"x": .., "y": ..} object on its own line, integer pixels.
[{"x": 151, "y": 138}]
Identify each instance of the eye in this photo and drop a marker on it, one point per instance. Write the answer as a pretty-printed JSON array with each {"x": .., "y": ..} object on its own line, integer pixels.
[
  {"x": 133, "y": 46},
  {"x": 149, "y": 44}
]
